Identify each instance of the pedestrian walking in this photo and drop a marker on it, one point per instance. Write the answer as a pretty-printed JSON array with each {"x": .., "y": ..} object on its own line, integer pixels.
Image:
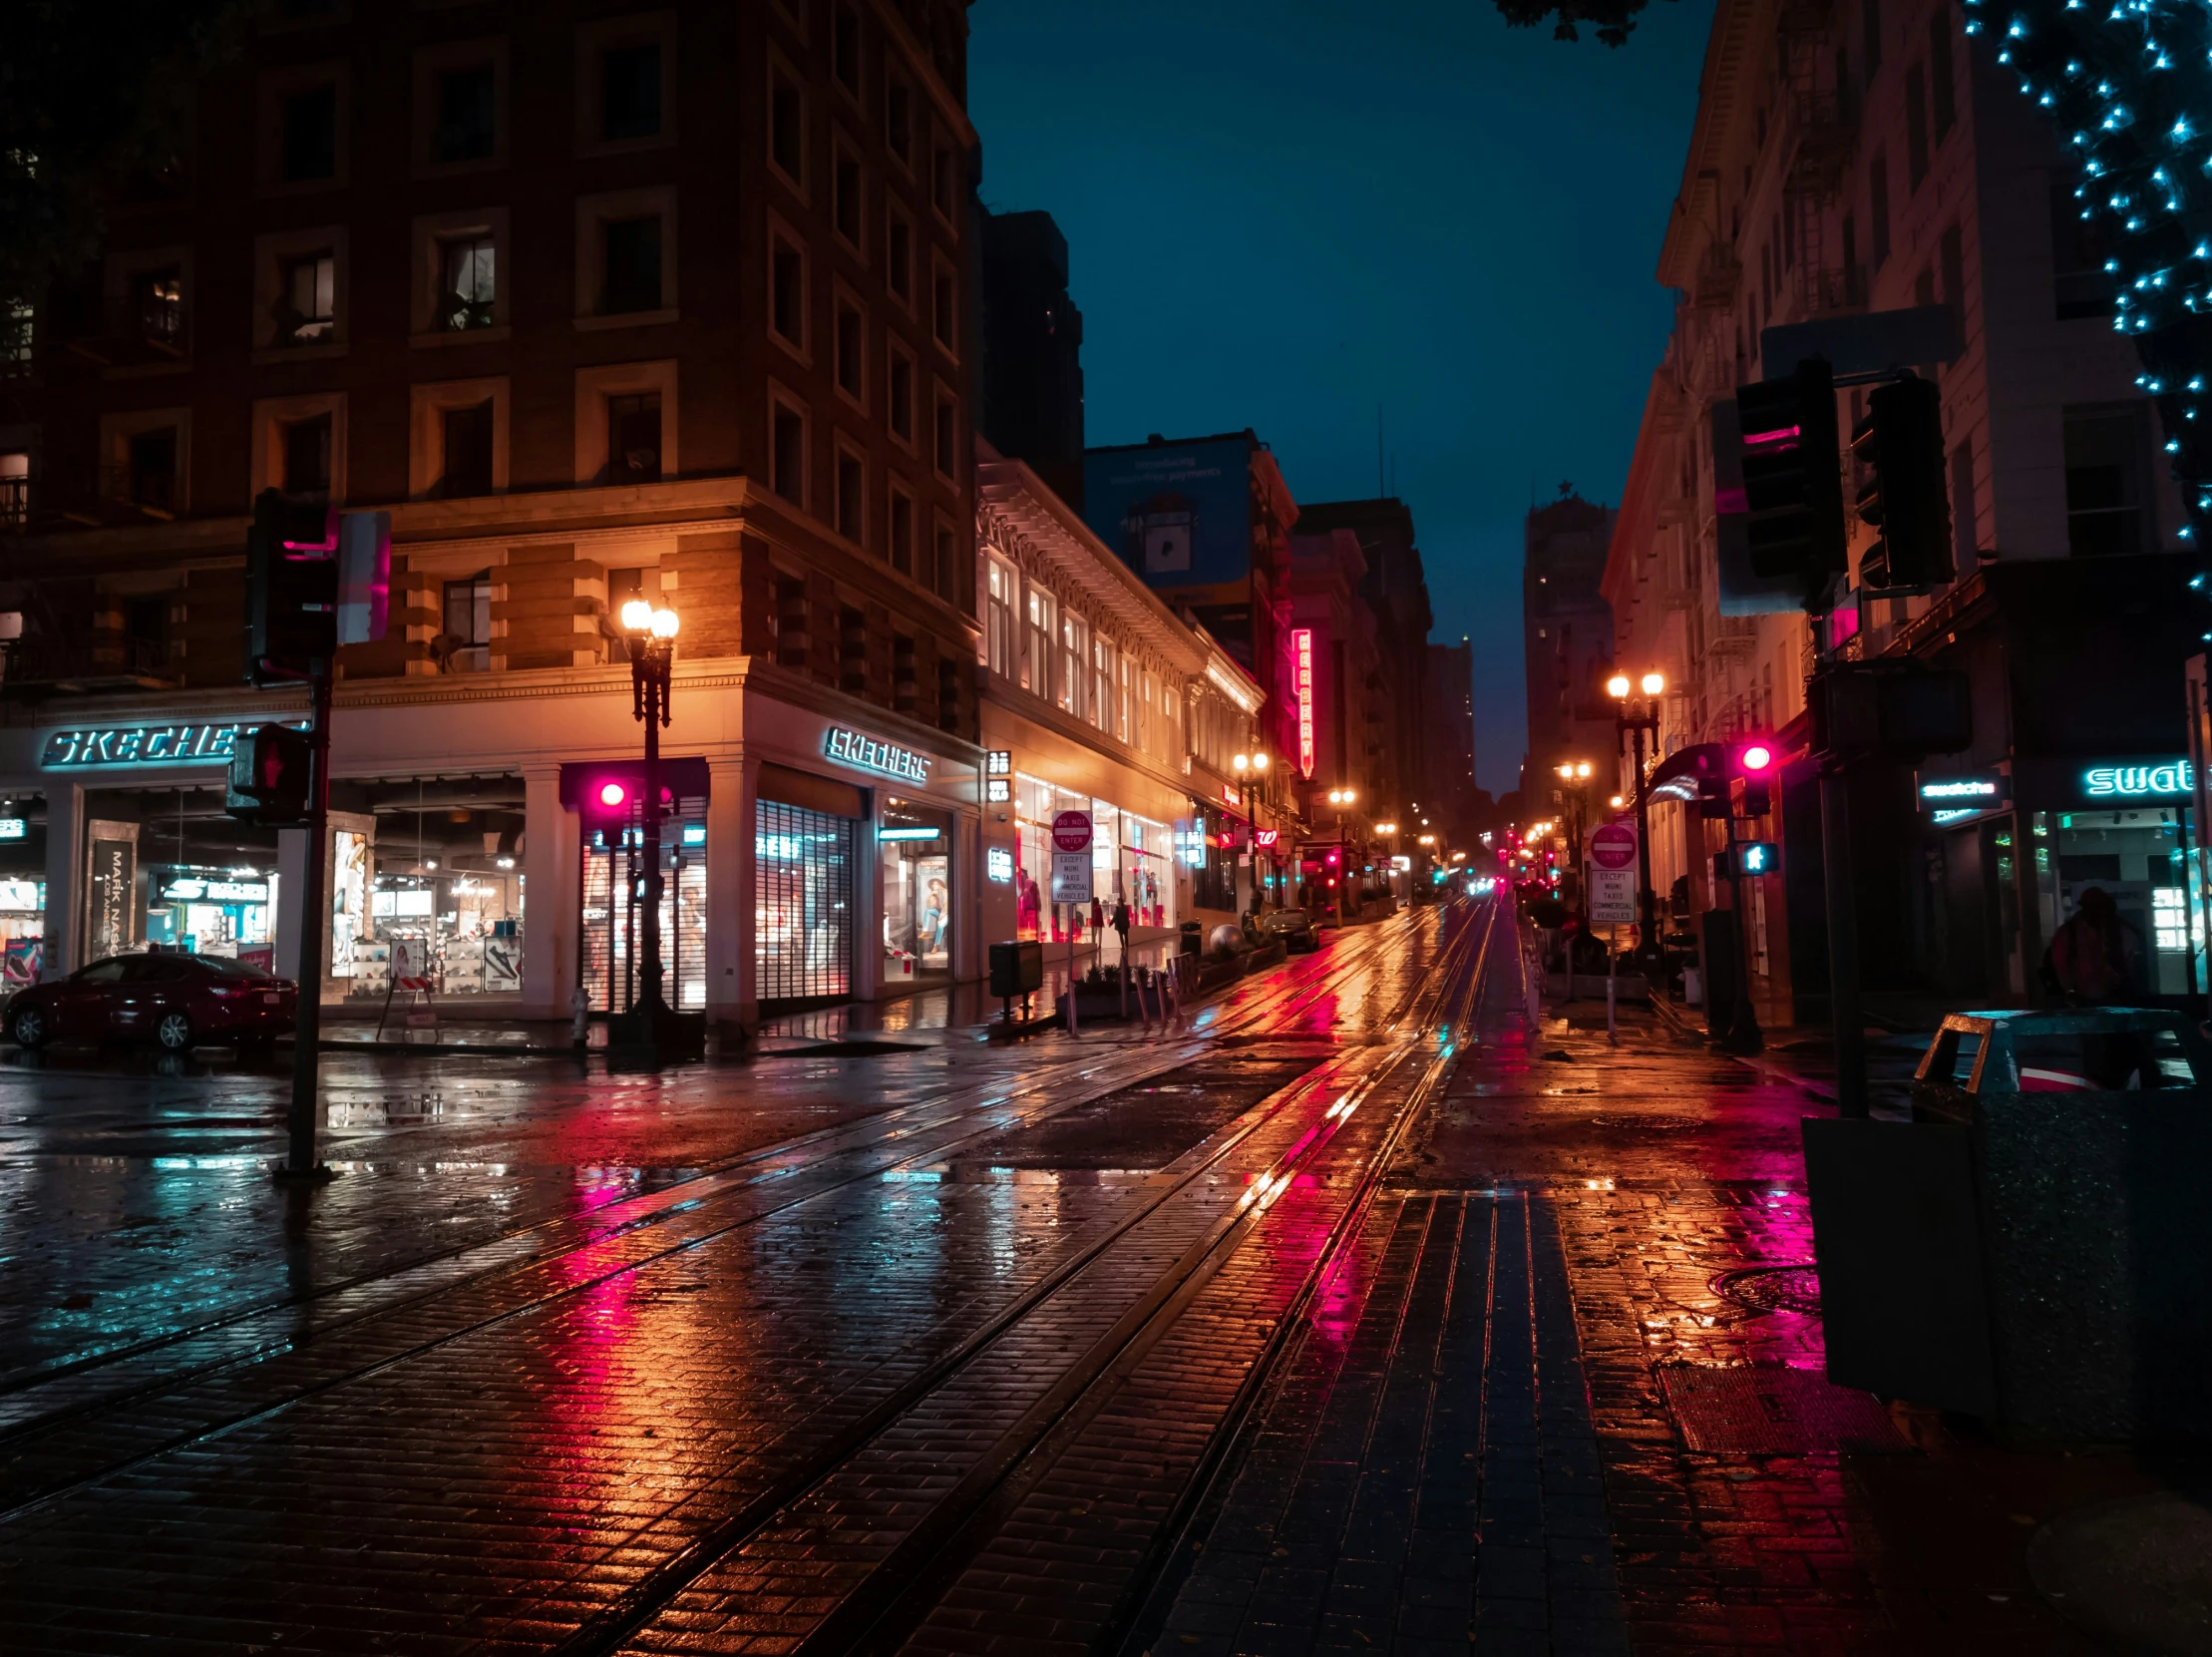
[
  {"x": 1121, "y": 928},
  {"x": 2094, "y": 955}
]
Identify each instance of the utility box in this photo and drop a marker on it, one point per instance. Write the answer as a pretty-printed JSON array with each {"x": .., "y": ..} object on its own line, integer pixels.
[{"x": 1016, "y": 969}]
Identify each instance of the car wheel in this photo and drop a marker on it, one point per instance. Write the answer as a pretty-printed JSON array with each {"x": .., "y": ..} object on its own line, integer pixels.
[
  {"x": 30, "y": 1028},
  {"x": 175, "y": 1033}
]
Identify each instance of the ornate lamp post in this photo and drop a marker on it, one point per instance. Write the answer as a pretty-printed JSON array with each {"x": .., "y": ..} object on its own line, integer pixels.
[
  {"x": 1340, "y": 798},
  {"x": 1576, "y": 796},
  {"x": 1636, "y": 715},
  {"x": 650, "y": 633},
  {"x": 1251, "y": 778}
]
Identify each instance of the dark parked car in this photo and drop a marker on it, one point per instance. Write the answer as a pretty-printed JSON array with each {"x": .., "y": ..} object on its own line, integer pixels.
[
  {"x": 1294, "y": 927},
  {"x": 175, "y": 1000}
]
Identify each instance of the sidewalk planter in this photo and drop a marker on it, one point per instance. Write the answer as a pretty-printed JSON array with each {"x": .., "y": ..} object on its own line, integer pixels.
[{"x": 2029, "y": 1248}]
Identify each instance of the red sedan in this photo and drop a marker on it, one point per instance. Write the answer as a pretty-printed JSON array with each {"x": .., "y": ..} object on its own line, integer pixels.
[{"x": 176, "y": 1001}]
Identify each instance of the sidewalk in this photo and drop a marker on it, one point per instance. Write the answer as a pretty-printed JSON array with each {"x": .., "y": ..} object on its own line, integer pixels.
[{"x": 1567, "y": 1396}]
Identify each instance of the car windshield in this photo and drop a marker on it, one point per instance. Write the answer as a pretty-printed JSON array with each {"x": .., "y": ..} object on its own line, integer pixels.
[
  {"x": 228, "y": 967},
  {"x": 1287, "y": 918}
]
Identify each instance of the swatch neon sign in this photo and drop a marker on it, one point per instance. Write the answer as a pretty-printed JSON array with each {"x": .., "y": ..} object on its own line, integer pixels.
[{"x": 2138, "y": 781}]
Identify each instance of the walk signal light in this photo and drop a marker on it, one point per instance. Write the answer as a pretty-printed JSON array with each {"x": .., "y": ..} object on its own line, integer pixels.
[
  {"x": 1900, "y": 442},
  {"x": 268, "y": 778},
  {"x": 1792, "y": 478},
  {"x": 1747, "y": 857},
  {"x": 291, "y": 585}
]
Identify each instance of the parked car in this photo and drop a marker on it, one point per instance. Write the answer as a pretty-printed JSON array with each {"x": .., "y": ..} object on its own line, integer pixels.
[
  {"x": 2062, "y": 1051},
  {"x": 1294, "y": 927},
  {"x": 176, "y": 1001}
]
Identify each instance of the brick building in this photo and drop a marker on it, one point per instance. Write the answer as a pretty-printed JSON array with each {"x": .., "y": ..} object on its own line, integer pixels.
[{"x": 670, "y": 301}]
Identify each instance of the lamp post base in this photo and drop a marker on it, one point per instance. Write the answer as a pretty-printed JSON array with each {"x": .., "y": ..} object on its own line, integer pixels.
[{"x": 653, "y": 1033}]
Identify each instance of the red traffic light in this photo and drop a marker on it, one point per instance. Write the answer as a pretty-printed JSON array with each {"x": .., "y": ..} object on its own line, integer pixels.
[
  {"x": 1758, "y": 757},
  {"x": 613, "y": 794}
]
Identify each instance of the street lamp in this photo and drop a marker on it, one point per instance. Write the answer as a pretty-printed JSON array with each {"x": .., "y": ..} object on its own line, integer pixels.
[
  {"x": 650, "y": 633},
  {"x": 1637, "y": 716},
  {"x": 1252, "y": 769},
  {"x": 1340, "y": 798},
  {"x": 1575, "y": 773}
]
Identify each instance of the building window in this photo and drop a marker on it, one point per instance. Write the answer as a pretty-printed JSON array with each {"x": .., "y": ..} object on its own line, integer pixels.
[
  {"x": 155, "y": 301},
  {"x": 788, "y": 454},
  {"x": 308, "y": 298},
  {"x": 150, "y": 479},
  {"x": 1916, "y": 126},
  {"x": 15, "y": 487},
  {"x": 629, "y": 92},
  {"x": 845, "y": 49},
  {"x": 944, "y": 307},
  {"x": 467, "y": 282},
  {"x": 631, "y": 251},
  {"x": 899, "y": 119},
  {"x": 787, "y": 125},
  {"x": 848, "y": 350},
  {"x": 308, "y": 144},
  {"x": 1939, "y": 72},
  {"x": 1036, "y": 644},
  {"x": 845, "y": 197},
  {"x": 787, "y": 301},
  {"x": 2108, "y": 473},
  {"x": 633, "y": 437},
  {"x": 852, "y": 495},
  {"x": 898, "y": 530},
  {"x": 306, "y": 455},
  {"x": 898, "y": 256},
  {"x": 2078, "y": 259},
  {"x": 1075, "y": 646},
  {"x": 945, "y": 438},
  {"x": 1878, "y": 206},
  {"x": 944, "y": 186},
  {"x": 900, "y": 394},
  {"x": 1870, "y": 19},
  {"x": 468, "y": 449},
  {"x": 1103, "y": 657},
  {"x": 468, "y": 114},
  {"x": 945, "y": 574},
  {"x": 468, "y": 632},
  {"x": 1963, "y": 526},
  {"x": 1000, "y": 641}
]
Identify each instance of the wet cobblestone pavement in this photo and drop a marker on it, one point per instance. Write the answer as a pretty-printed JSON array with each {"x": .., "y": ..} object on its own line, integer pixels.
[{"x": 1357, "y": 1314}]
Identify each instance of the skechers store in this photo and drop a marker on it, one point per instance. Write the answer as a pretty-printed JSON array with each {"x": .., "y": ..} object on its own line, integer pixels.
[{"x": 2010, "y": 851}]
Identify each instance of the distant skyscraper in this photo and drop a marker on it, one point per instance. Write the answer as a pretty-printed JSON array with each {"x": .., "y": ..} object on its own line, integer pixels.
[
  {"x": 1032, "y": 350},
  {"x": 1567, "y": 631},
  {"x": 1450, "y": 742}
]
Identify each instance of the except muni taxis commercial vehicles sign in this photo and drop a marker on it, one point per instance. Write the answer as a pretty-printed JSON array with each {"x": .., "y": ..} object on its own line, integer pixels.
[
  {"x": 1071, "y": 857},
  {"x": 1612, "y": 896}
]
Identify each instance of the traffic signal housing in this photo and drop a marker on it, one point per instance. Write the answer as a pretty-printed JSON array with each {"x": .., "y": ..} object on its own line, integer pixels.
[
  {"x": 1792, "y": 477},
  {"x": 269, "y": 782},
  {"x": 291, "y": 584},
  {"x": 1900, "y": 443}
]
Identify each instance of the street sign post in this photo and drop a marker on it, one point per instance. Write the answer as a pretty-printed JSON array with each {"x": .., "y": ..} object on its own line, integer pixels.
[
  {"x": 1071, "y": 857},
  {"x": 1612, "y": 846},
  {"x": 1611, "y": 894}
]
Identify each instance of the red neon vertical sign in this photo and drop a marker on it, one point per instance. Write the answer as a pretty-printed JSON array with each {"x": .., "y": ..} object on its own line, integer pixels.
[{"x": 1301, "y": 650}]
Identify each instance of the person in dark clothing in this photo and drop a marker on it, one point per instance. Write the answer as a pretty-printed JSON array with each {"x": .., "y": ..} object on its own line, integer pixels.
[{"x": 2095, "y": 956}]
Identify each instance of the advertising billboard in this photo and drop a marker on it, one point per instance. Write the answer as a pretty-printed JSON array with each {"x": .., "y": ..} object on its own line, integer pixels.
[{"x": 1179, "y": 513}]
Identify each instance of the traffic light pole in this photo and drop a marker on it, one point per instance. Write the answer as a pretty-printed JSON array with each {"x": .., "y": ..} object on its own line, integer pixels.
[
  {"x": 299, "y": 1161},
  {"x": 1843, "y": 941}
]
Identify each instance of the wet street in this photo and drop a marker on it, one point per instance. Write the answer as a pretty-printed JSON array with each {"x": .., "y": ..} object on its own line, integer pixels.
[{"x": 1356, "y": 1312}]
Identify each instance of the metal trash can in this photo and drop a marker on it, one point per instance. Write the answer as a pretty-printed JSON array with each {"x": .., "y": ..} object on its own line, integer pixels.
[
  {"x": 1188, "y": 939},
  {"x": 2034, "y": 1247},
  {"x": 1016, "y": 969}
]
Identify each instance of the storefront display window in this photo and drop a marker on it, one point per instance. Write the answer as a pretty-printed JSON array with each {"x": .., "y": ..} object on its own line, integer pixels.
[
  {"x": 2140, "y": 860},
  {"x": 915, "y": 844},
  {"x": 803, "y": 918},
  {"x": 614, "y": 911},
  {"x": 229, "y": 912},
  {"x": 1147, "y": 879}
]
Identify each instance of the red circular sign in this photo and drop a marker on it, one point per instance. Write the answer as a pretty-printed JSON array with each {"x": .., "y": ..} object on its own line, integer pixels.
[
  {"x": 1612, "y": 846},
  {"x": 1071, "y": 831}
]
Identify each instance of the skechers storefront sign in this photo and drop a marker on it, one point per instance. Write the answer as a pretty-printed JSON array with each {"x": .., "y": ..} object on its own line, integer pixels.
[
  {"x": 871, "y": 754},
  {"x": 139, "y": 746}
]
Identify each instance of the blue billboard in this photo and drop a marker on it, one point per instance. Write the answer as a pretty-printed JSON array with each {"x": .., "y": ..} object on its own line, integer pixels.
[{"x": 1179, "y": 513}]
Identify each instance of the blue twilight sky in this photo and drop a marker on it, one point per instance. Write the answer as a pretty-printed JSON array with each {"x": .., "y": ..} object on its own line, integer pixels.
[{"x": 1282, "y": 213}]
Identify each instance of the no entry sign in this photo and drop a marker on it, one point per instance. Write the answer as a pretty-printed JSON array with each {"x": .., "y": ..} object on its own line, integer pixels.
[
  {"x": 1071, "y": 831},
  {"x": 1612, "y": 846}
]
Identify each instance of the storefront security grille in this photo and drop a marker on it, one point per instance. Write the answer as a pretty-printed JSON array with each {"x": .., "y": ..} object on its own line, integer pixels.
[
  {"x": 615, "y": 919},
  {"x": 803, "y": 862}
]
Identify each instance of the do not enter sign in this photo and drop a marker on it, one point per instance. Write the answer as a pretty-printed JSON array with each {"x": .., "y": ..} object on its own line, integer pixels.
[
  {"x": 1612, "y": 846},
  {"x": 1071, "y": 831}
]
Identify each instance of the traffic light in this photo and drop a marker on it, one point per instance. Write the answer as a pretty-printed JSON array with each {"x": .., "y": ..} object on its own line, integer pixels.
[
  {"x": 1747, "y": 857},
  {"x": 268, "y": 778},
  {"x": 1754, "y": 791},
  {"x": 1792, "y": 477},
  {"x": 1900, "y": 442},
  {"x": 291, "y": 587}
]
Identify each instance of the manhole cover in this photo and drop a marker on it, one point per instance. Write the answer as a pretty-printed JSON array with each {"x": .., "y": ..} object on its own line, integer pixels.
[
  {"x": 1773, "y": 1410},
  {"x": 2136, "y": 1572},
  {"x": 1641, "y": 1124},
  {"x": 1772, "y": 1289}
]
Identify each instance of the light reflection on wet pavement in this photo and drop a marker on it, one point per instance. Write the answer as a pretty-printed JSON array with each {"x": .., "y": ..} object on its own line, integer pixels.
[{"x": 546, "y": 1328}]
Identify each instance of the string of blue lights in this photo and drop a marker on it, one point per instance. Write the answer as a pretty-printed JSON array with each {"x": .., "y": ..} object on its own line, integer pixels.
[{"x": 2128, "y": 85}]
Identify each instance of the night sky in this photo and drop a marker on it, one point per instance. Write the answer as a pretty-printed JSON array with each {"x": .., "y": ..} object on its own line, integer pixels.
[{"x": 1282, "y": 213}]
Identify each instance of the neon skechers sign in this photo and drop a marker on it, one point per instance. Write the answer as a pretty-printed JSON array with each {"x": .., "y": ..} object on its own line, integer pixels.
[
  {"x": 2138, "y": 781},
  {"x": 870, "y": 754}
]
